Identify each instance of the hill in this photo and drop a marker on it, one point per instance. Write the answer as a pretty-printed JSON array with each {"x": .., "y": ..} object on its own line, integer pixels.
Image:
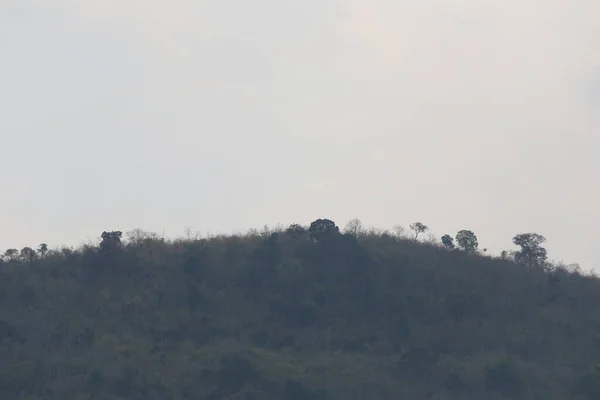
[{"x": 293, "y": 314}]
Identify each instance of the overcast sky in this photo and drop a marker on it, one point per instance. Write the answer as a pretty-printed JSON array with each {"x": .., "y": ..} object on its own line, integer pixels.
[{"x": 227, "y": 115}]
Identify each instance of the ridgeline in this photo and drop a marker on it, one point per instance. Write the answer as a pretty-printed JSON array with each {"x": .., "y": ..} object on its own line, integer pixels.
[{"x": 299, "y": 313}]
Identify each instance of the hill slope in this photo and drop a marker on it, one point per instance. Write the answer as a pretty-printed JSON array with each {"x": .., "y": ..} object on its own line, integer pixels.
[{"x": 287, "y": 316}]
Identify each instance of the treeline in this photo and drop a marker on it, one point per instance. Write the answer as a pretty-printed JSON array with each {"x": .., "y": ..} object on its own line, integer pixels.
[
  {"x": 531, "y": 252},
  {"x": 303, "y": 312}
]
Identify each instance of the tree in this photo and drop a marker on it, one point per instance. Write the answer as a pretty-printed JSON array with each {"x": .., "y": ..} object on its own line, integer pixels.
[
  {"x": 28, "y": 254},
  {"x": 111, "y": 240},
  {"x": 467, "y": 241},
  {"x": 553, "y": 279},
  {"x": 448, "y": 241},
  {"x": 417, "y": 228},
  {"x": 322, "y": 228},
  {"x": 354, "y": 227},
  {"x": 431, "y": 239},
  {"x": 398, "y": 231},
  {"x": 137, "y": 237},
  {"x": 43, "y": 249},
  {"x": 296, "y": 230},
  {"x": 532, "y": 254},
  {"x": 11, "y": 254}
]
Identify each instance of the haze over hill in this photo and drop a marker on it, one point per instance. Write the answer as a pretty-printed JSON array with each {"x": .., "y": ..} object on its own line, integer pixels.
[
  {"x": 299, "y": 313},
  {"x": 228, "y": 115}
]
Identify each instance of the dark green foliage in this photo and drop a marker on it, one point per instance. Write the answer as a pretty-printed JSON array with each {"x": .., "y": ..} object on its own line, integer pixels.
[
  {"x": 236, "y": 371},
  {"x": 110, "y": 241},
  {"x": 109, "y": 258},
  {"x": 28, "y": 254},
  {"x": 455, "y": 383},
  {"x": 307, "y": 314},
  {"x": 294, "y": 390},
  {"x": 448, "y": 241},
  {"x": 503, "y": 377},
  {"x": 588, "y": 385},
  {"x": 97, "y": 380},
  {"x": 532, "y": 254},
  {"x": 6, "y": 331},
  {"x": 418, "y": 228},
  {"x": 467, "y": 241},
  {"x": 195, "y": 260},
  {"x": 322, "y": 229},
  {"x": 296, "y": 230},
  {"x": 43, "y": 249},
  {"x": 27, "y": 295},
  {"x": 553, "y": 279},
  {"x": 11, "y": 254},
  {"x": 418, "y": 360},
  {"x": 277, "y": 315},
  {"x": 464, "y": 306}
]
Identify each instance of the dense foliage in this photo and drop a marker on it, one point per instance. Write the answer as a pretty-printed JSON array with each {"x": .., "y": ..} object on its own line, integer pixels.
[{"x": 302, "y": 313}]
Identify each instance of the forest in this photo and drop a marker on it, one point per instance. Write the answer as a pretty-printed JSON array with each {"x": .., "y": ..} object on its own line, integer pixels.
[{"x": 297, "y": 313}]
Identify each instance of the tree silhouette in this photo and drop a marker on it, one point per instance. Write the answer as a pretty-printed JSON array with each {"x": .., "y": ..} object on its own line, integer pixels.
[
  {"x": 296, "y": 230},
  {"x": 323, "y": 228},
  {"x": 531, "y": 253},
  {"x": 418, "y": 228},
  {"x": 261, "y": 316},
  {"x": 11, "y": 254},
  {"x": 467, "y": 241},
  {"x": 111, "y": 241},
  {"x": 28, "y": 254},
  {"x": 448, "y": 241},
  {"x": 43, "y": 249},
  {"x": 398, "y": 231}
]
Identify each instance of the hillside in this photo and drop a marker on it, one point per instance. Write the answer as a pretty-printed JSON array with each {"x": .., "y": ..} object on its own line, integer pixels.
[{"x": 293, "y": 315}]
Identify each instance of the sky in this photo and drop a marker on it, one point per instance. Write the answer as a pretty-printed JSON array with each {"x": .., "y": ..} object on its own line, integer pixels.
[{"x": 220, "y": 116}]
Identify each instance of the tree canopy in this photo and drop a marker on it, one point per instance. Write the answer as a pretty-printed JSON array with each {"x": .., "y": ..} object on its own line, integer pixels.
[
  {"x": 467, "y": 240},
  {"x": 295, "y": 314},
  {"x": 532, "y": 253}
]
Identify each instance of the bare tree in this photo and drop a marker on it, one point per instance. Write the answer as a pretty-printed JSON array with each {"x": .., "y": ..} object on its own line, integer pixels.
[
  {"x": 431, "y": 239},
  {"x": 354, "y": 227},
  {"x": 266, "y": 231},
  {"x": 138, "y": 236},
  {"x": 399, "y": 231}
]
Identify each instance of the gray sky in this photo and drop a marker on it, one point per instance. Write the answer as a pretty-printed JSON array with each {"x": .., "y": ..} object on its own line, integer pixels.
[{"x": 227, "y": 115}]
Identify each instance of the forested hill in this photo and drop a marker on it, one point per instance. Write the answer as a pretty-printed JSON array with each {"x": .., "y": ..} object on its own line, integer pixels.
[{"x": 296, "y": 314}]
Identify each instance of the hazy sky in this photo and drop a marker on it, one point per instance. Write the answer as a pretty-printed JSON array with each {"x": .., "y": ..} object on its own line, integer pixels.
[{"x": 227, "y": 115}]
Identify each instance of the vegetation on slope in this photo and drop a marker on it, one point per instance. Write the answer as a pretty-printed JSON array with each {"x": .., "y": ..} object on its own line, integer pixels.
[{"x": 301, "y": 313}]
